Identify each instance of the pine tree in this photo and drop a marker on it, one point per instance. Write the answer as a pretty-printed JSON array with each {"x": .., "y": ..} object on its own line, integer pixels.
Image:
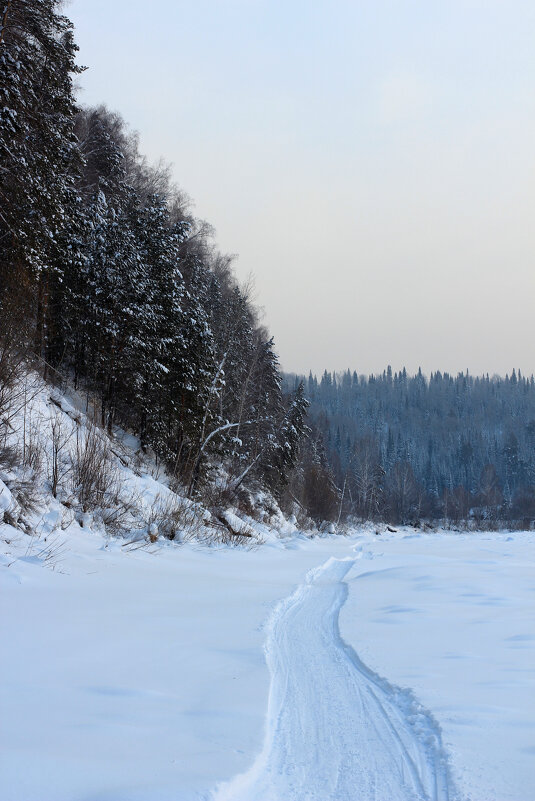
[{"x": 38, "y": 153}]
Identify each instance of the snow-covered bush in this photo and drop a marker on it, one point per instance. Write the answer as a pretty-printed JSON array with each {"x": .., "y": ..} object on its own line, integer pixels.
[{"x": 94, "y": 477}]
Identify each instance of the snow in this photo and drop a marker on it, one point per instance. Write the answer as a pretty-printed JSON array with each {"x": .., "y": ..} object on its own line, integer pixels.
[
  {"x": 366, "y": 739},
  {"x": 133, "y": 675},
  {"x": 7, "y": 502},
  {"x": 451, "y": 616},
  {"x": 140, "y": 674}
]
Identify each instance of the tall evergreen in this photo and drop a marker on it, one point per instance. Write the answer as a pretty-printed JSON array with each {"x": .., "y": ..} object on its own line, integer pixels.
[{"x": 38, "y": 154}]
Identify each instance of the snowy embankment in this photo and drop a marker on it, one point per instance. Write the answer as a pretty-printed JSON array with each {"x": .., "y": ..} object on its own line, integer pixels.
[{"x": 135, "y": 671}]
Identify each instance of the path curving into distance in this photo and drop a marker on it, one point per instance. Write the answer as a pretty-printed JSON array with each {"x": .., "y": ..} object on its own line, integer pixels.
[{"x": 336, "y": 731}]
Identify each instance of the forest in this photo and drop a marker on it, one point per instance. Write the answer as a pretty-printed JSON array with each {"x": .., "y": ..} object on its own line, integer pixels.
[
  {"x": 410, "y": 448},
  {"x": 109, "y": 282}
]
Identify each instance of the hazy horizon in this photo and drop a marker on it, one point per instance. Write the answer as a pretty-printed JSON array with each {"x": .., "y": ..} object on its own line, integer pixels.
[{"x": 373, "y": 166}]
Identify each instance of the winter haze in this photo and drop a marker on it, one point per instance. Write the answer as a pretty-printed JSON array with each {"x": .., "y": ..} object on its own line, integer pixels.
[{"x": 371, "y": 163}]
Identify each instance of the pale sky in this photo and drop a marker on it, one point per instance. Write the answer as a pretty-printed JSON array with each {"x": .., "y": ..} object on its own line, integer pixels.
[{"x": 372, "y": 163}]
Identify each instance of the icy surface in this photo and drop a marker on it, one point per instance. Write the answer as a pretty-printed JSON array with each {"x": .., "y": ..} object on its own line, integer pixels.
[{"x": 137, "y": 675}]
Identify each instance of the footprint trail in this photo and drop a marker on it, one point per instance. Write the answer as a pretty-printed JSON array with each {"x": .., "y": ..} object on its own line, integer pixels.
[{"x": 336, "y": 731}]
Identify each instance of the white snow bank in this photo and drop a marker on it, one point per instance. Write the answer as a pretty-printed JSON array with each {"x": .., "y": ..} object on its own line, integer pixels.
[
  {"x": 137, "y": 501},
  {"x": 7, "y": 501}
]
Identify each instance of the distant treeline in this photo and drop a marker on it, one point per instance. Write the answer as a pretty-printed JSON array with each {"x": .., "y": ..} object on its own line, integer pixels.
[
  {"x": 106, "y": 276},
  {"x": 406, "y": 448}
]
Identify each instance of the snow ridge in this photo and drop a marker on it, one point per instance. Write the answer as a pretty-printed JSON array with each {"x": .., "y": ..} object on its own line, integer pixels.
[{"x": 336, "y": 731}]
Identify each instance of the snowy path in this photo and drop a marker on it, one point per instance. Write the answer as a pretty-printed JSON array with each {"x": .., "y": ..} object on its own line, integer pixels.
[{"x": 335, "y": 731}]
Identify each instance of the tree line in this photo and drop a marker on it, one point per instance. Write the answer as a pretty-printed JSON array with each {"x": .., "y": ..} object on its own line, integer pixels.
[
  {"x": 406, "y": 448},
  {"x": 107, "y": 277}
]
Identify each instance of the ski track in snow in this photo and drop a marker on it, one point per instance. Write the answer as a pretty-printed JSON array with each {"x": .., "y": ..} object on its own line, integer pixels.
[{"x": 336, "y": 731}]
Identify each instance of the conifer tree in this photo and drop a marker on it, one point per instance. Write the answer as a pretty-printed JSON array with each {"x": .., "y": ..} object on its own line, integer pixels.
[{"x": 38, "y": 154}]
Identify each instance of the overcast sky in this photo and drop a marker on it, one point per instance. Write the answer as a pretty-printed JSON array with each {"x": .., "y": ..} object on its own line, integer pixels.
[{"x": 371, "y": 162}]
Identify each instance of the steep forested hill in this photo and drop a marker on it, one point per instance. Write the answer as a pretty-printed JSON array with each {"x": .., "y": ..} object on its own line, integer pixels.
[{"x": 107, "y": 279}]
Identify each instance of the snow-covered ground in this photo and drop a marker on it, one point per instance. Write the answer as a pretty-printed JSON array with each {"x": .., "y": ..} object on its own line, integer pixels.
[
  {"x": 140, "y": 675},
  {"x": 335, "y": 731}
]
